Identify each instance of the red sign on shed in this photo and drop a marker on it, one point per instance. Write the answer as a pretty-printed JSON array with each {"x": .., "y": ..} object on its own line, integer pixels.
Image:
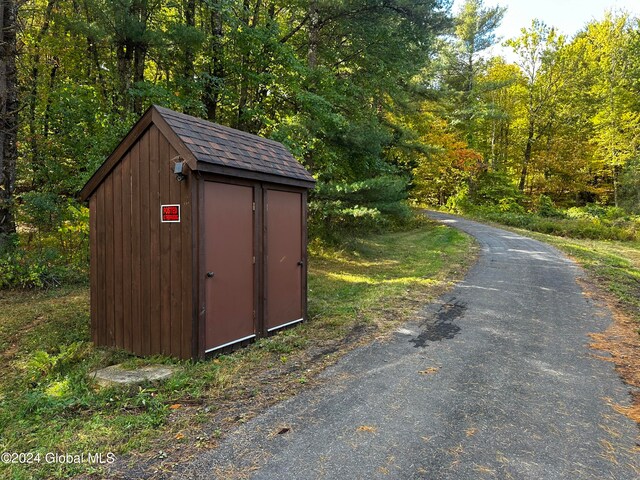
[{"x": 170, "y": 213}]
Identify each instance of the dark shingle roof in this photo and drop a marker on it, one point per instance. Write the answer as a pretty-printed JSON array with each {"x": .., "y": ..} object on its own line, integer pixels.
[{"x": 214, "y": 144}]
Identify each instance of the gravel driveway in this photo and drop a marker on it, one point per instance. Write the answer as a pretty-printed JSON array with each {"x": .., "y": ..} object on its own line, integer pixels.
[{"x": 494, "y": 380}]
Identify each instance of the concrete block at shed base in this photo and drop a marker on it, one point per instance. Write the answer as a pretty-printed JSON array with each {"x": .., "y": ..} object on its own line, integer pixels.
[{"x": 116, "y": 375}]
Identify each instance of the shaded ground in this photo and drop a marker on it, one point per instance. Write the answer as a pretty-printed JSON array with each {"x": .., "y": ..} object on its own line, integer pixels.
[{"x": 495, "y": 380}]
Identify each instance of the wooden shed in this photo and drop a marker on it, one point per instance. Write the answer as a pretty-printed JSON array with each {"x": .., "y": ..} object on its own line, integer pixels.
[{"x": 198, "y": 238}]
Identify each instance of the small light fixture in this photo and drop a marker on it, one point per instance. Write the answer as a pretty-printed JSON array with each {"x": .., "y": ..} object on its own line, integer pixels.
[{"x": 178, "y": 169}]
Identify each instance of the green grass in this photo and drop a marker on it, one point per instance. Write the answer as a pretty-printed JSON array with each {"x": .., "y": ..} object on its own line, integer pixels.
[
  {"x": 48, "y": 404},
  {"x": 583, "y": 226}
]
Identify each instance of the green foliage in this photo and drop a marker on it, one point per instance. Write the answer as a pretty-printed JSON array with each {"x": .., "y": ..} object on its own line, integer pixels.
[
  {"x": 561, "y": 121},
  {"x": 497, "y": 189},
  {"x": 366, "y": 206},
  {"x": 546, "y": 208},
  {"x": 42, "y": 365},
  {"x": 460, "y": 202},
  {"x": 464, "y": 65},
  {"x": 490, "y": 191},
  {"x": 592, "y": 222},
  {"x": 52, "y": 249},
  {"x": 629, "y": 194},
  {"x": 87, "y": 71},
  {"x": 19, "y": 271}
]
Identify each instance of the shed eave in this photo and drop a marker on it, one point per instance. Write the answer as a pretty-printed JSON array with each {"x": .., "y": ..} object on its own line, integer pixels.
[{"x": 254, "y": 175}]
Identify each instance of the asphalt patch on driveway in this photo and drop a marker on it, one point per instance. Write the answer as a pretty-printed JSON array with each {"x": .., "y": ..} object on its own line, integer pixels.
[{"x": 440, "y": 326}]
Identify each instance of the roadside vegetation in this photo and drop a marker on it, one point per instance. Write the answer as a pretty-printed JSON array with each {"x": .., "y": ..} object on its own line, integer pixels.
[{"x": 48, "y": 402}]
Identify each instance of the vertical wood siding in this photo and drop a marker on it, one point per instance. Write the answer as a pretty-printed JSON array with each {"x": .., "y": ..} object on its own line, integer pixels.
[{"x": 141, "y": 269}]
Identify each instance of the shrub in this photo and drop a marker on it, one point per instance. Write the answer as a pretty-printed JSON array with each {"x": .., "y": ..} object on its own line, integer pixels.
[
  {"x": 460, "y": 202},
  {"x": 52, "y": 246},
  {"x": 376, "y": 204},
  {"x": 19, "y": 271},
  {"x": 577, "y": 223},
  {"x": 546, "y": 208},
  {"x": 495, "y": 189}
]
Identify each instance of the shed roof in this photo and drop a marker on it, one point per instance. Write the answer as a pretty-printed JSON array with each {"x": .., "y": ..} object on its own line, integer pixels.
[
  {"x": 211, "y": 147},
  {"x": 216, "y": 144}
]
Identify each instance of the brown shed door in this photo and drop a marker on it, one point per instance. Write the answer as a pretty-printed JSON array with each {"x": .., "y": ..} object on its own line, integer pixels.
[
  {"x": 229, "y": 253},
  {"x": 284, "y": 258}
]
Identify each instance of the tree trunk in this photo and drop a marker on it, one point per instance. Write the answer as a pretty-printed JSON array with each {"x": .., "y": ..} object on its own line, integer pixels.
[
  {"x": 189, "y": 56},
  {"x": 241, "y": 110},
  {"x": 211, "y": 96},
  {"x": 123, "y": 58},
  {"x": 47, "y": 111},
  {"x": 139, "y": 57},
  {"x": 92, "y": 49},
  {"x": 190, "y": 21},
  {"x": 494, "y": 161},
  {"x": 527, "y": 156},
  {"x": 8, "y": 116},
  {"x": 141, "y": 46},
  {"x": 36, "y": 162},
  {"x": 616, "y": 184},
  {"x": 314, "y": 35}
]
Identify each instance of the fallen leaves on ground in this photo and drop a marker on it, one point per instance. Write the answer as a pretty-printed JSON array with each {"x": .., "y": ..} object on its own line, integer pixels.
[
  {"x": 429, "y": 370},
  {"x": 366, "y": 428}
]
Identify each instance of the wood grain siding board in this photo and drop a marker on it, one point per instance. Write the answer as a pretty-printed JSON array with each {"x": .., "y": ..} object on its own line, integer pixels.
[
  {"x": 93, "y": 268},
  {"x": 165, "y": 249},
  {"x": 109, "y": 338},
  {"x": 101, "y": 263},
  {"x": 136, "y": 323},
  {"x": 145, "y": 258},
  {"x": 119, "y": 153},
  {"x": 127, "y": 293},
  {"x": 154, "y": 238},
  {"x": 118, "y": 247},
  {"x": 176, "y": 257},
  {"x": 186, "y": 253},
  {"x": 171, "y": 136}
]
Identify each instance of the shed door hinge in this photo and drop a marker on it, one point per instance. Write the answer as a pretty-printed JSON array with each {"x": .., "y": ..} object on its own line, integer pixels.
[
  {"x": 254, "y": 260},
  {"x": 254, "y": 314},
  {"x": 253, "y": 206}
]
